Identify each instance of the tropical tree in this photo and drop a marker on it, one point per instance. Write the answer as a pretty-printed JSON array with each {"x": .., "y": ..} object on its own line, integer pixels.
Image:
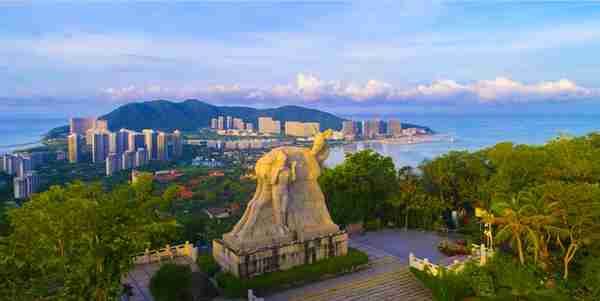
[
  {"x": 543, "y": 216},
  {"x": 357, "y": 189},
  {"x": 407, "y": 196},
  {"x": 515, "y": 223},
  {"x": 76, "y": 242},
  {"x": 579, "y": 217}
]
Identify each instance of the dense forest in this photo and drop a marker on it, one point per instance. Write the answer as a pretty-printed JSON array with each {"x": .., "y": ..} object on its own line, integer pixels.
[{"x": 544, "y": 203}]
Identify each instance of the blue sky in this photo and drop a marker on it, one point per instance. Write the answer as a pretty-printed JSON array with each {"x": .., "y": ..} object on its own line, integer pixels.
[{"x": 343, "y": 56}]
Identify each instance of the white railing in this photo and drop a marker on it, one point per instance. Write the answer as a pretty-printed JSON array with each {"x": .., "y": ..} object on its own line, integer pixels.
[
  {"x": 480, "y": 252},
  {"x": 168, "y": 252},
  {"x": 425, "y": 264}
]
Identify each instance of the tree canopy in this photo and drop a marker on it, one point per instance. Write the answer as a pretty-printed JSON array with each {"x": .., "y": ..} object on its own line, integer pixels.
[{"x": 76, "y": 242}]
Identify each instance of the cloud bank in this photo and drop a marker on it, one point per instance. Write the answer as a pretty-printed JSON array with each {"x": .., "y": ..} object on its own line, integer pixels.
[{"x": 307, "y": 89}]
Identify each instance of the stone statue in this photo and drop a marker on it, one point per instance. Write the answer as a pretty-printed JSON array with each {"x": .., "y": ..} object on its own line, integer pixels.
[{"x": 288, "y": 204}]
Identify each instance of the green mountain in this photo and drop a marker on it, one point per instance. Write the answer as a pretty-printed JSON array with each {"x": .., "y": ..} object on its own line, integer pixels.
[{"x": 194, "y": 114}]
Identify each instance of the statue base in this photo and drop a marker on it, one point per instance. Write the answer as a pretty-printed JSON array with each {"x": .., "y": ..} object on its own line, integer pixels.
[{"x": 245, "y": 263}]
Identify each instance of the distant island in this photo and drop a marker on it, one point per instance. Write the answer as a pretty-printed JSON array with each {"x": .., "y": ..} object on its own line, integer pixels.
[{"x": 192, "y": 114}]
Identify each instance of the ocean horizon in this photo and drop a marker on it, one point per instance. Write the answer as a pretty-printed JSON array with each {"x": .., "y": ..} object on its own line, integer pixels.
[{"x": 473, "y": 132}]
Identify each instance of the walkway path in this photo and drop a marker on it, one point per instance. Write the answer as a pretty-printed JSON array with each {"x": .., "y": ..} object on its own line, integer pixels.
[{"x": 386, "y": 279}]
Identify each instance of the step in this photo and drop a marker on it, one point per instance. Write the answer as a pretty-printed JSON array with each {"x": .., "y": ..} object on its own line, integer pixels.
[{"x": 390, "y": 285}]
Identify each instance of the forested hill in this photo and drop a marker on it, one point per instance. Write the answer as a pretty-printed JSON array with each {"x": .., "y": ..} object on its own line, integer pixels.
[{"x": 193, "y": 114}]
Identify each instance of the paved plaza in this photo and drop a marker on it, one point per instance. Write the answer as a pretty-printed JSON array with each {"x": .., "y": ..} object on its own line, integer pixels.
[
  {"x": 399, "y": 244},
  {"x": 386, "y": 278}
]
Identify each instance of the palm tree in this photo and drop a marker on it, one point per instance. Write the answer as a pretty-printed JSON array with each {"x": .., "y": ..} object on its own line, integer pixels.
[
  {"x": 516, "y": 223},
  {"x": 543, "y": 217}
]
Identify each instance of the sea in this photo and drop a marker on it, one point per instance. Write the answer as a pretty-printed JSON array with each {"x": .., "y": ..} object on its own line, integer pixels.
[
  {"x": 473, "y": 132},
  {"x": 24, "y": 131},
  {"x": 468, "y": 132}
]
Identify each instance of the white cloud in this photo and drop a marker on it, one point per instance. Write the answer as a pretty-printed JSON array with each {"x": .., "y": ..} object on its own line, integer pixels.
[{"x": 309, "y": 88}]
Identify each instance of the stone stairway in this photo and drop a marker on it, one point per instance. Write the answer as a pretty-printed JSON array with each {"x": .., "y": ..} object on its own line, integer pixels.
[{"x": 398, "y": 284}]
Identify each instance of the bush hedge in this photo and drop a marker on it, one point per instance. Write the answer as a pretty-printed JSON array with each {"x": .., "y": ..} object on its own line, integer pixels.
[
  {"x": 207, "y": 264},
  {"x": 448, "y": 286},
  {"x": 172, "y": 282},
  {"x": 271, "y": 282},
  {"x": 502, "y": 278}
]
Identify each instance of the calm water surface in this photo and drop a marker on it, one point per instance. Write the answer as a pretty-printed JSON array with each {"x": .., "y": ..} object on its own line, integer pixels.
[
  {"x": 15, "y": 131},
  {"x": 473, "y": 133}
]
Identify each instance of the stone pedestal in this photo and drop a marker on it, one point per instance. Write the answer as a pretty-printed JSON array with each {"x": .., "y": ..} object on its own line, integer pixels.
[{"x": 245, "y": 263}]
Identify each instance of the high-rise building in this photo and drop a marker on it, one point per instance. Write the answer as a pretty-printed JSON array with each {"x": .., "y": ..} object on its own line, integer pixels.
[
  {"x": 348, "y": 128},
  {"x": 394, "y": 128},
  {"x": 74, "y": 147},
  {"x": 128, "y": 160},
  {"x": 162, "y": 148},
  {"x": 136, "y": 140},
  {"x": 221, "y": 123},
  {"x": 100, "y": 146},
  {"x": 20, "y": 187},
  {"x": 249, "y": 126},
  {"x": 81, "y": 125},
  {"x": 25, "y": 185},
  {"x": 269, "y": 126},
  {"x": 364, "y": 128},
  {"x": 382, "y": 127},
  {"x": 122, "y": 141},
  {"x": 113, "y": 164},
  {"x": 177, "y": 144},
  {"x": 150, "y": 143},
  {"x": 88, "y": 136},
  {"x": 301, "y": 129},
  {"x": 214, "y": 123},
  {"x": 370, "y": 128},
  {"x": 229, "y": 122},
  {"x": 10, "y": 164},
  {"x": 141, "y": 157},
  {"x": 24, "y": 165},
  {"x": 112, "y": 143},
  {"x": 238, "y": 124}
]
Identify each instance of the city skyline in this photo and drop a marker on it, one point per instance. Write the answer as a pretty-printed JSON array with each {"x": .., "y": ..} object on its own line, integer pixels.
[{"x": 407, "y": 55}]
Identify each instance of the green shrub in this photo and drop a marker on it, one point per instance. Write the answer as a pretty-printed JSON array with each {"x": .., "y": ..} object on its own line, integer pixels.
[
  {"x": 447, "y": 286},
  {"x": 514, "y": 281},
  {"x": 480, "y": 280},
  {"x": 270, "y": 282},
  {"x": 171, "y": 282},
  {"x": 208, "y": 265}
]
